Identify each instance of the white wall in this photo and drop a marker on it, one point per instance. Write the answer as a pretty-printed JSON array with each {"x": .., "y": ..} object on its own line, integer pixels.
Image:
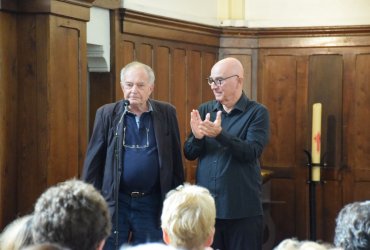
[
  {"x": 98, "y": 40},
  {"x": 295, "y": 13},
  {"x": 261, "y": 13},
  {"x": 199, "y": 11}
]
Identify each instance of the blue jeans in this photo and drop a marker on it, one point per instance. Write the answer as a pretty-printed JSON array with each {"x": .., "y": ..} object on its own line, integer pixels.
[{"x": 138, "y": 221}]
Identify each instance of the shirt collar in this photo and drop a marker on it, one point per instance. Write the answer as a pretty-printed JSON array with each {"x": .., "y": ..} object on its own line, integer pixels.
[
  {"x": 150, "y": 108},
  {"x": 240, "y": 105}
]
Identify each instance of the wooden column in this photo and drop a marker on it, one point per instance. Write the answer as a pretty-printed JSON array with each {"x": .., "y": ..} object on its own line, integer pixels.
[
  {"x": 8, "y": 115},
  {"x": 47, "y": 97}
]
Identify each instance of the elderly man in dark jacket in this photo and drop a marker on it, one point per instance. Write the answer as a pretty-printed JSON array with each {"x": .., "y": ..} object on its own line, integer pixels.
[{"x": 134, "y": 158}]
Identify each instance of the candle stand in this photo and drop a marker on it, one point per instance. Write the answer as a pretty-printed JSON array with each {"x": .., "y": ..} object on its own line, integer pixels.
[{"x": 312, "y": 193}]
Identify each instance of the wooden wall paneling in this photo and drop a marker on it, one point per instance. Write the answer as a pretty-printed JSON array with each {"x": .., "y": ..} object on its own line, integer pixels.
[
  {"x": 55, "y": 104},
  {"x": 178, "y": 87},
  {"x": 194, "y": 84},
  {"x": 361, "y": 137},
  {"x": 208, "y": 60},
  {"x": 128, "y": 50},
  {"x": 194, "y": 89},
  {"x": 162, "y": 69},
  {"x": 246, "y": 60},
  {"x": 302, "y": 121},
  {"x": 325, "y": 86},
  {"x": 278, "y": 90},
  {"x": 101, "y": 91},
  {"x": 331, "y": 195},
  {"x": 198, "y": 91},
  {"x": 349, "y": 81},
  {"x": 361, "y": 190},
  {"x": 144, "y": 53},
  {"x": 8, "y": 5},
  {"x": 302, "y": 128},
  {"x": 64, "y": 91},
  {"x": 283, "y": 211},
  {"x": 32, "y": 112},
  {"x": 279, "y": 96},
  {"x": 358, "y": 161},
  {"x": 8, "y": 117}
]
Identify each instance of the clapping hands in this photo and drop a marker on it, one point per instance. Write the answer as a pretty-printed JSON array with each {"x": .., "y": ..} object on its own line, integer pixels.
[{"x": 206, "y": 127}]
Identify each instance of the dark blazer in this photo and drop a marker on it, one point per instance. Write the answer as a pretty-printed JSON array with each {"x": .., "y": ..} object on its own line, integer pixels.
[{"x": 102, "y": 155}]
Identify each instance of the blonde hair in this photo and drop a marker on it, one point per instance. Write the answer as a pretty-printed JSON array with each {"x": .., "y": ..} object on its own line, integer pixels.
[
  {"x": 188, "y": 216},
  {"x": 294, "y": 244},
  {"x": 17, "y": 234}
]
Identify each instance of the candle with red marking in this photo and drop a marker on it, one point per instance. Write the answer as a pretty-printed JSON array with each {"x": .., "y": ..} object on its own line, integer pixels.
[{"x": 316, "y": 140}]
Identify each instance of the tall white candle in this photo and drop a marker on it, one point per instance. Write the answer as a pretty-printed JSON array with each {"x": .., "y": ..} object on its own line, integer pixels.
[{"x": 316, "y": 140}]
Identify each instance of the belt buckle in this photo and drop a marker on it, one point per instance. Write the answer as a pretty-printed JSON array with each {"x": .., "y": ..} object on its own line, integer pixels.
[{"x": 136, "y": 194}]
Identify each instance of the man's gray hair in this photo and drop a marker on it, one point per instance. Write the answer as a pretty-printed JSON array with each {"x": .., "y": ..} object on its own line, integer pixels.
[
  {"x": 135, "y": 65},
  {"x": 73, "y": 214},
  {"x": 352, "y": 230}
]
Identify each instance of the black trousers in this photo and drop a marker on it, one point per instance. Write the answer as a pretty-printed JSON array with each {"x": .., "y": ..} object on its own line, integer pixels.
[{"x": 239, "y": 234}]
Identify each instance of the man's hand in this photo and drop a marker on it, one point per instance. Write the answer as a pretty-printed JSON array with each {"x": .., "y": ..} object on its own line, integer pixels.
[
  {"x": 195, "y": 121},
  {"x": 211, "y": 129}
]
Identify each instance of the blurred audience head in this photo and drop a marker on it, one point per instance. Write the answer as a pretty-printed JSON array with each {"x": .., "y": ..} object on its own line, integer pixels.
[
  {"x": 188, "y": 217},
  {"x": 294, "y": 244},
  {"x": 17, "y": 234},
  {"x": 352, "y": 229},
  {"x": 73, "y": 214}
]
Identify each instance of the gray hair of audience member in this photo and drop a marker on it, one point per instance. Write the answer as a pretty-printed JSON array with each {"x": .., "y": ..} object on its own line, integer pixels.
[
  {"x": 148, "y": 246},
  {"x": 352, "y": 229},
  {"x": 17, "y": 234},
  {"x": 73, "y": 214},
  {"x": 46, "y": 246},
  {"x": 135, "y": 65},
  {"x": 294, "y": 244},
  {"x": 188, "y": 217}
]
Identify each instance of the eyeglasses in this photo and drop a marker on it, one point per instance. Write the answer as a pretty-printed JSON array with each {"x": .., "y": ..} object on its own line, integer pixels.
[
  {"x": 219, "y": 80},
  {"x": 135, "y": 146}
]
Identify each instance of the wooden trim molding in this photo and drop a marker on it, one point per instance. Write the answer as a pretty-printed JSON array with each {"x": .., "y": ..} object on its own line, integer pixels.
[
  {"x": 315, "y": 37},
  {"x": 8, "y": 5},
  {"x": 77, "y": 9},
  {"x": 138, "y": 23},
  {"x": 107, "y": 4},
  {"x": 297, "y": 31}
]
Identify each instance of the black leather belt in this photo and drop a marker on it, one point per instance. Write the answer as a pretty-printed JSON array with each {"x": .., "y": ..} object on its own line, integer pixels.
[{"x": 136, "y": 194}]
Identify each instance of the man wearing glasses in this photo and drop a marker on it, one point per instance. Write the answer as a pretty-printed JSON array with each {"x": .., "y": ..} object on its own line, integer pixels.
[
  {"x": 134, "y": 158},
  {"x": 227, "y": 136}
]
